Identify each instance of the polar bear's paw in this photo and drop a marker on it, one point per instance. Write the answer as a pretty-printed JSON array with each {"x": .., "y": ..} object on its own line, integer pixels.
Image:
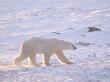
[
  {"x": 34, "y": 65},
  {"x": 45, "y": 64},
  {"x": 68, "y": 62}
]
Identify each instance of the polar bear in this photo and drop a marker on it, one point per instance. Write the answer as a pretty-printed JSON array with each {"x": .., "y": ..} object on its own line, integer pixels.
[{"x": 46, "y": 46}]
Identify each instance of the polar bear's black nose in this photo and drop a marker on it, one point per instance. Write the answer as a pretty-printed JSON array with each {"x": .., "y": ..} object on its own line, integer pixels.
[{"x": 75, "y": 48}]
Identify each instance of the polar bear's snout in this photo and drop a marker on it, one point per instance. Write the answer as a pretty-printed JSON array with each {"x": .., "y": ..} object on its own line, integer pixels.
[{"x": 74, "y": 47}]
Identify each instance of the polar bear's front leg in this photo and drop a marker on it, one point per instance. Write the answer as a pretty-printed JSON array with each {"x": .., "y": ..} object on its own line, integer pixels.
[{"x": 62, "y": 58}]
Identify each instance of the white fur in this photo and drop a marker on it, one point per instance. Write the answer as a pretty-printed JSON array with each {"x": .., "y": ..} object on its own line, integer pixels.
[{"x": 46, "y": 46}]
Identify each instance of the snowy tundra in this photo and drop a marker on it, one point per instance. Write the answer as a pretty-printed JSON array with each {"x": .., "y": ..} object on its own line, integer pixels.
[{"x": 67, "y": 20}]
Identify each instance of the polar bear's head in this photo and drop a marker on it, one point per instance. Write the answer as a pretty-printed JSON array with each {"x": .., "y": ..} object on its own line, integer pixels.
[{"x": 65, "y": 45}]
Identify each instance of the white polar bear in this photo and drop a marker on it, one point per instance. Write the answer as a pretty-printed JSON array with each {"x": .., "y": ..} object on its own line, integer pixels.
[{"x": 46, "y": 46}]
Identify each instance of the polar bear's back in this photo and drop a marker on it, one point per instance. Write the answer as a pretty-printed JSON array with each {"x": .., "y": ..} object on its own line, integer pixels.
[
  {"x": 40, "y": 44},
  {"x": 38, "y": 41},
  {"x": 42, "y": 40}
]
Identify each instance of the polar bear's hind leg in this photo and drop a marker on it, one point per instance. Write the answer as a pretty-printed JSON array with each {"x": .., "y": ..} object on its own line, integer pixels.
[
  {"x": 19, "y": 59},
  {"x": 32, "y": 60},
  {"x": 23, "y": 55},
  {"x": 46, "y": 58}
]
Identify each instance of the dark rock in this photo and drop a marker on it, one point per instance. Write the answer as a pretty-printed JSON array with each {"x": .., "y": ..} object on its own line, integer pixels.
[
  {"x": 56, "y": 32},
  {"x": 71, "y": 28},
  {"x": 83, "y": 35},
  {"x": 92, "y": 29}
]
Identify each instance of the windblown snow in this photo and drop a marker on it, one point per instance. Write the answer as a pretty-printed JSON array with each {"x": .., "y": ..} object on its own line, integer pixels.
[{"x": 63, "y": 19}]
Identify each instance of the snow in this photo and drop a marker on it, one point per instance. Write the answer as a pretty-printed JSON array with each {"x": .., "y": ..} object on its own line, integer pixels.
[{"x": 68, "y": 20}]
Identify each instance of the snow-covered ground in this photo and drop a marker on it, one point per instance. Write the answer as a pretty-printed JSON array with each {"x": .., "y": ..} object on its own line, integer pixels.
[{"x": 64, "y": 19}]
